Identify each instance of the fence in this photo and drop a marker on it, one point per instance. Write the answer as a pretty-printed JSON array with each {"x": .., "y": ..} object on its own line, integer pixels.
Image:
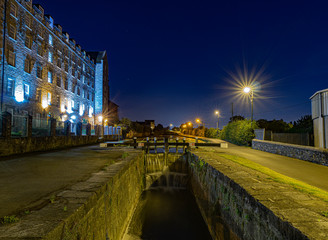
[
  {"x": 304, "y": 139},
  {"x": 60, "y": 129},
  {"x": 19, "y": 126},
  {"x": 40, "y": 127},
  {"x": 27, "y": 126}
]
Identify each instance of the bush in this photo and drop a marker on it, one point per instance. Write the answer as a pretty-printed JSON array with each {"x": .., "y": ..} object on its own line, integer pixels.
[
  {"x": 239, "y": 132},
  {"x": 212, "y": 132}
]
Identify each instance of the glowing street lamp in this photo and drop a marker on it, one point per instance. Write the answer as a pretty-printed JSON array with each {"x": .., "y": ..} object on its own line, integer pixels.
[
  {"x": 217, "y": 113},
  {"x": 250, "y": 91}
]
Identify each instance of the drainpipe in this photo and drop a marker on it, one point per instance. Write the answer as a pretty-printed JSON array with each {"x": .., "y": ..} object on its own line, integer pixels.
[{"x": 3, "y": 55}]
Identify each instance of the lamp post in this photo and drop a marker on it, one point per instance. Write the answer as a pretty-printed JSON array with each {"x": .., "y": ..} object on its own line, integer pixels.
[
  {"x": 250, "y": 91},
  {"x": 217, "y": 113}
]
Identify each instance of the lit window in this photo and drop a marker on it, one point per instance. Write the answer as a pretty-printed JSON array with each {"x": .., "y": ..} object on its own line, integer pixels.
[
  {"x": 12, "y": 58},
  {"x": 49, "y": 98},
  {"x": 26, "y": 91},
  {"x": 50, "y": 57},
  {"x": 50, "y": 40},
  {"x": 11, "y": 87},
  {"x": 12, "y": 32},
  {"x": 72, "y": 104},
  {"x": 49, "y": 77}
]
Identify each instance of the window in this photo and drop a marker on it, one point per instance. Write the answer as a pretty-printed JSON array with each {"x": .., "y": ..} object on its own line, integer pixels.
[
  {"x": 78, "y": 91},
  {"x": 50, "y": 40},
  {"x": 66, "y": 84},
  {"x": 49, "y": 98},
  {"x": 28, "y": 65},
  {"x": 28, "y": 22},
  {"x": 38, "y": 95},
  {"x": 12, "y": 31},
  {"x": 49, "y": 77},
  {"x": 39, "y": 71},
  {"x": 83, "y": 67},
  {"x": 26, "y": 91},
  {"x": 13, "y": 10},
  {"x": 72, "y": 104},
  {"x": 40, "y": 51},
  {"x": 58, "y": 81},
  {"x": 58, "y": 101},
  {"x": 50, "y": 57},
  {"x": 59, "y": 62},
  {"x": 88, "y": 96},
  {"x": 11, "y": 87},
  {"x": 28, "y": 42},
  {"x": 12, "y": 58},
  {"x": 66, "y": 67}
]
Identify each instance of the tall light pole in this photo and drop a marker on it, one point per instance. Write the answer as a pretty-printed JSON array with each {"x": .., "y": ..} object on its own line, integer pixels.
[
  {"x": 217, "y": 113},
  {"x": 250, "y": 91}
]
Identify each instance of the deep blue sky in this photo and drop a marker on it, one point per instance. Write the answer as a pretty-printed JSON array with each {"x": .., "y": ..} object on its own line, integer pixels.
[{"x": 173, "y": 61}]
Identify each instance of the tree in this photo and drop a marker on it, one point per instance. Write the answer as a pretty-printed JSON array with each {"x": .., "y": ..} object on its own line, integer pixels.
[
  {"x": 239, "y": 132},
  {"x": 236, "y": 118},
  {"x": 303, "y": 125}
]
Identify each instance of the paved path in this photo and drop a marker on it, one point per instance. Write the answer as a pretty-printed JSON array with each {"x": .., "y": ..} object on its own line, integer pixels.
[
  {"x": 311, "y": 173},
  {"x": 30, "y": 180}
]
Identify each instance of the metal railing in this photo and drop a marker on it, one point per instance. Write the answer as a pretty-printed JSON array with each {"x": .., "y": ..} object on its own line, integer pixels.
[
  {"x": 19, "y": 126},
  {"x": 60, "y": 129},
  {"x": 40, "y": 127}
]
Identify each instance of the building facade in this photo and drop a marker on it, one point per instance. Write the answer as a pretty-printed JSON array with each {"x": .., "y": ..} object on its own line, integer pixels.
[
  {"x": 319, "y": 105},
  {"x": 44, "y": 72},
  {"x": 104, "y": 107}
]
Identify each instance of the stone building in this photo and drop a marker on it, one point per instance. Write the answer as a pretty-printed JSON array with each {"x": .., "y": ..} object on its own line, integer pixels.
[
  {"x": 44, "y": 72},
  {"x": 104, "y": 107}
]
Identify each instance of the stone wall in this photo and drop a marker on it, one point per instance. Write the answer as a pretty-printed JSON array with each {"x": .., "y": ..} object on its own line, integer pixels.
[
  {"x": 98, "y": 208},
  {"x": 311, "y": 154},
  {"x": 12, "y": 146},
  {"x": 230, "y": 211}
]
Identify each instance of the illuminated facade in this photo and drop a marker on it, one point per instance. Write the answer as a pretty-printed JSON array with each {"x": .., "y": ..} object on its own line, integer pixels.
[
  {"x": 103, "y": 105},
  {"x": 44, "y": 72}
]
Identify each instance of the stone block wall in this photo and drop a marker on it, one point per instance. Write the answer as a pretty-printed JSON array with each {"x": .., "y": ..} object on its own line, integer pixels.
[
  {"x": 311, "y": 154},
  {"x": 98, "y": 208},
  {"x": 13, "y": 146},
  {"x": 230, "y": 211}
]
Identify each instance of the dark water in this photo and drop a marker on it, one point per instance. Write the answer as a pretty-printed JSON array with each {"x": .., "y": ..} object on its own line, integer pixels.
[{"x": 171, "y": 214}]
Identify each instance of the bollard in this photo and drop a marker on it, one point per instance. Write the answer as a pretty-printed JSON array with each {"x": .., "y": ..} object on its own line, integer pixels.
[
  {"x": 135, "y": 142},
  {"x": 196, "y": 142},
  {"x": 147, "y": 149},
  {"x": 184, "y": 146},
  {"x": 155, "y": 139},
  {"x": 166, "y": 145},
  {"x": 176, "y": 149}
]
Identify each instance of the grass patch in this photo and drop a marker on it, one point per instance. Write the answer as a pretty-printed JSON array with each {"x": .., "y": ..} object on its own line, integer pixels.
[
  {"x": 9, "y": 219},
  {"x": 277, "y": 177}
]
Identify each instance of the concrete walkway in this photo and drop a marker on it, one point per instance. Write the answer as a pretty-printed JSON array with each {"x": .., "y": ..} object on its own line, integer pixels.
[
  {"x": 28, "y": 182},
  {"x": 311, "y": 173}
]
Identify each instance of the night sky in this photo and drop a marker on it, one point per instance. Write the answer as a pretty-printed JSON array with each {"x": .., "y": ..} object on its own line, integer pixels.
[{"x": 173, "y": 61}]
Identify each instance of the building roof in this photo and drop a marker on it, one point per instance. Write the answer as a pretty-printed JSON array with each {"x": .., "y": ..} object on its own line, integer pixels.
[
  {"x": 318, "y": 92},
  {"x": 97, "y": 56}
]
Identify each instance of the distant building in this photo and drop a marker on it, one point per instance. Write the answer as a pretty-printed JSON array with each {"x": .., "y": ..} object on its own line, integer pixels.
[
  {"x": 46, "y": 73},
  {"x": 320, "y": 118},
  {"x": 104, "y": 107}
]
